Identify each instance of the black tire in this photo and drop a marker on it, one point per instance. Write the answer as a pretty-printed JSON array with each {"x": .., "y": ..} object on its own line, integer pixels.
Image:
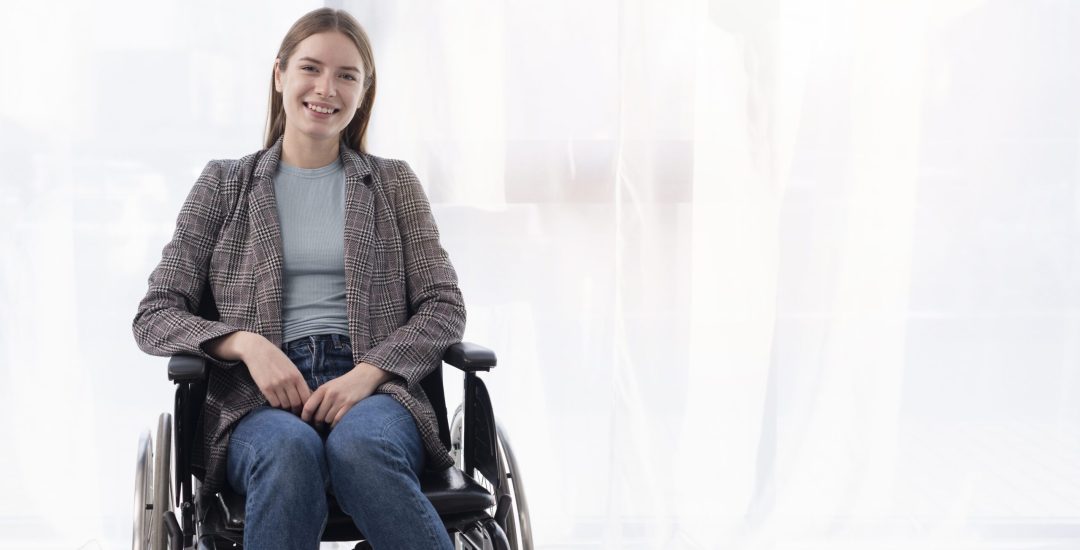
[
  {"x": 144, "y": 480},
  {"x": 162, "y": 493},
  {"x": 518, "y": 526}
]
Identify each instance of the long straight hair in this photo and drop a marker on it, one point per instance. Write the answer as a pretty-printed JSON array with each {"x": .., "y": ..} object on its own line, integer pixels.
[{"x": 323, "y": 20}]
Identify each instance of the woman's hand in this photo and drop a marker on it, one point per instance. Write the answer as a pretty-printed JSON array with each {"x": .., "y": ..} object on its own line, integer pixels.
[
  {"x": 273, "y": 372},
  {"x": 333, "y": 399}
]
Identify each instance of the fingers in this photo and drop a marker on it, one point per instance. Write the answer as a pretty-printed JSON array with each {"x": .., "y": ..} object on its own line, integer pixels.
[
  {"x": 281, "y": 398},
  {"x": 295, "y": 402},
  {"x": 311, "y": 405},
  {"x": 339, "y": 416},
  {"x": 285, "y": 395},
  {"x": 336, "y": 411},
  {"x": 305, "y": 391},
  {"x": 278, "y": 378},
  {"x": 328, "y": 404},
  {"x": 273, "y": 399}
]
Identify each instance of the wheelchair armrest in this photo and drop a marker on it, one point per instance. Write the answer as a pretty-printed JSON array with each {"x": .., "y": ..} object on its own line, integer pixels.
[
  {"x": 187, "y": 368},
  {"x": 466, "y": 356},
  {"x": 469, "y": 357}
]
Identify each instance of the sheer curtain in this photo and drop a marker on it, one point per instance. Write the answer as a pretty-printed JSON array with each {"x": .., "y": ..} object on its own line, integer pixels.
[{"x": 760, "y": 274}]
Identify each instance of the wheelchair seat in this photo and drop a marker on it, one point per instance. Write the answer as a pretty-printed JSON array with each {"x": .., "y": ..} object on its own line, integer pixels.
[{"x": 450, "y": 491}]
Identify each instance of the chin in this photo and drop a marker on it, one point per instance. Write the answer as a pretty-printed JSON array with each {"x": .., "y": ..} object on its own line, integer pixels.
[{"x": 319, "y": 135}]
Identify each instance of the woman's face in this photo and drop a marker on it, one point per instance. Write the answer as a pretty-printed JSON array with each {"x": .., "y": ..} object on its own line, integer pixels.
[{"x": 321, "y": 87}]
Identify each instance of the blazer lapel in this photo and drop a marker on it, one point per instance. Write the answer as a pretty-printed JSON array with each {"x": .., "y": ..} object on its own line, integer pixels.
[
  {"x": 359, "y": 242},
  {"x": 266, "y": 244}
]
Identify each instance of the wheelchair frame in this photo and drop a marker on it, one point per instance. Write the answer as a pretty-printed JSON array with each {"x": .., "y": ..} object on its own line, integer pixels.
[{"x": 485, "y": 476}]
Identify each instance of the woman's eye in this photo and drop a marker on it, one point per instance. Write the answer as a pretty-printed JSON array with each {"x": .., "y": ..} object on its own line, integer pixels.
[
  {"x": 349, "y": 76},
  {"x": 306, "y": 67}
]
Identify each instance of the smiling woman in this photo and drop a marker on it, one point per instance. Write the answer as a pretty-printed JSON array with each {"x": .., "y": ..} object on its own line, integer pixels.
[
  {"x": 336, "y": 299},
  {"x": 324, "y": 82}
]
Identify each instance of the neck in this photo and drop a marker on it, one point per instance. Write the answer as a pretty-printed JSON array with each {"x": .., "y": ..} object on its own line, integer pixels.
[{"x": 303, "y": 152}]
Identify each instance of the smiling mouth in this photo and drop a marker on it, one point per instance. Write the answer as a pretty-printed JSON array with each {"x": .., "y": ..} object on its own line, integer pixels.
[{"x": 320, "y": 110}]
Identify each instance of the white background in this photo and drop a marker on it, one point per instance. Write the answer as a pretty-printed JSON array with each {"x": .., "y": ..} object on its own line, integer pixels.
[{"x": 760, "y": 274}]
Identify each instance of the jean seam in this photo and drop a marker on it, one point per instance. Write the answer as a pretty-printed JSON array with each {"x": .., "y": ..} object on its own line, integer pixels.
[
  {"x": 247, "y": 448},
  {"x": 418, "y": 505},
  {"x": 391, "y": 423}
]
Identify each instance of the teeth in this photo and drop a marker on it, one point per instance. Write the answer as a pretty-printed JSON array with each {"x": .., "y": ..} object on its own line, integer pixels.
[{"x": 318, "y": 109}]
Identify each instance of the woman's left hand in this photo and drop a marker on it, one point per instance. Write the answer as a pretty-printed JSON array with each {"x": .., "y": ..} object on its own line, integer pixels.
[{"x": 332, "y": 400}]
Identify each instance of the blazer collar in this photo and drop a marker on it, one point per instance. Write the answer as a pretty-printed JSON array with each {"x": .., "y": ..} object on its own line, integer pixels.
[{"x": 357, "y": 165}]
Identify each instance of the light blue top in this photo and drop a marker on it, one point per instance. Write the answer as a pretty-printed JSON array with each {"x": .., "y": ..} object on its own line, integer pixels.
[{"x": 311, "y": 210}]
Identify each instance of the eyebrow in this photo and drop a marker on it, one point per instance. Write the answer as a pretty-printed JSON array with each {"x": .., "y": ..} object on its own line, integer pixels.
[{"x": 317, "y": 62}]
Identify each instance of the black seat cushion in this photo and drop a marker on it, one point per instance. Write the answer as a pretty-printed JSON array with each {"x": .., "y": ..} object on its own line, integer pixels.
[{"x": 453, "y": 492}]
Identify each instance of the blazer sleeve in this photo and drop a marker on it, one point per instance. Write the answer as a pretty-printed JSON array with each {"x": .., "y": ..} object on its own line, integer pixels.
[
  {"x": 166, "y": 323},
  {"x": 437, "y": 308}
]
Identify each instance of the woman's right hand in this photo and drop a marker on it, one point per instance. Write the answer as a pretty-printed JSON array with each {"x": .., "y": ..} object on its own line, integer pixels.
[{"x": 273, "y": 372}]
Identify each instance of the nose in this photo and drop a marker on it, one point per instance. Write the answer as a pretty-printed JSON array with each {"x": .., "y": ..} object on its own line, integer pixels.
[{"x": 324, "y": 86}]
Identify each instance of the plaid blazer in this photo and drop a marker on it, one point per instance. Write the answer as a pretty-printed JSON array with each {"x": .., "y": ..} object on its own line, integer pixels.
[{"x": 402, "y": 297}]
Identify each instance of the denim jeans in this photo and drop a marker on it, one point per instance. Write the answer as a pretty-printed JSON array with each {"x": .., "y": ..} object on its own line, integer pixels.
[{"x": 370, "y": 461}]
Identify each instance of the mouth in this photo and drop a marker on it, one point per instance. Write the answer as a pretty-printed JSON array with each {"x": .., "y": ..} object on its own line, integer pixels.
[{"x": 321, "y": 109}]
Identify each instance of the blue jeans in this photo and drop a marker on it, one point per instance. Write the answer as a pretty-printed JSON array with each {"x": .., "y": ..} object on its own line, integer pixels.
[{"x": 370, "y": 461}]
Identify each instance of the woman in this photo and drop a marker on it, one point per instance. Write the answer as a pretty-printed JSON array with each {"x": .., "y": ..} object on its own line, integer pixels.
[{"x": 335, "y": 299}]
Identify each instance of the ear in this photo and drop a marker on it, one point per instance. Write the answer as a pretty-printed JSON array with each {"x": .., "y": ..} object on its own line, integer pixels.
[{"x": 277, "y": 75}]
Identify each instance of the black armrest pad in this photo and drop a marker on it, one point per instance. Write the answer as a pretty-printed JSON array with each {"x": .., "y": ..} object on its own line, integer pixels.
[
  {"x": 469, "y": 357},
  {"x": 187, "y": 368},
  {"x": 466, "y": 356}
]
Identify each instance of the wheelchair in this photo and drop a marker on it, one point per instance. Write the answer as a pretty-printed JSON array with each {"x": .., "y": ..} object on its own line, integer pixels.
[{"x": 481, "y": 499}]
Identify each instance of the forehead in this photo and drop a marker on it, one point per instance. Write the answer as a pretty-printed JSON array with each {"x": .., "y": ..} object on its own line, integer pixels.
[{"x": 329, "y": 48}]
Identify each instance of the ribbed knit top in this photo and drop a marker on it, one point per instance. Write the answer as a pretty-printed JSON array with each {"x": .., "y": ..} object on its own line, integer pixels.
[{"x": 311, "y": 210}]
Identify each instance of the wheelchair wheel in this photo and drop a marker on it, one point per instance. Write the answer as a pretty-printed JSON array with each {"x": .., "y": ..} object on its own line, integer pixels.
[
  {"x": 518, "y": 528},
  {"x": 457, "y": 432},
  {"x": 153, "y": 476},
  {"x": 144, "y": 477},
  {"x": 162, "y": 482}
]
